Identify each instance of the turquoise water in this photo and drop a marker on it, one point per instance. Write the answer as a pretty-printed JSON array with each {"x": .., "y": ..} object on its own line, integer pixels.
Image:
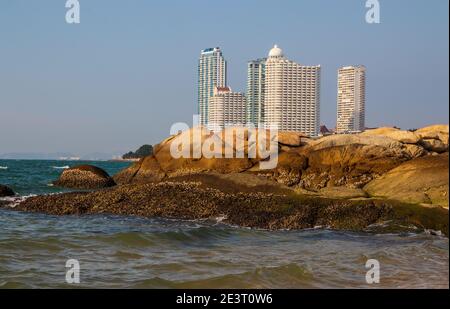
[
  {"x": 131, "y": 252},
  {"x": 34, "y": 176}
]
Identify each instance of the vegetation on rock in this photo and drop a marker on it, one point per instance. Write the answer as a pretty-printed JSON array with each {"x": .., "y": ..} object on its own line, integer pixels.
[{"x": 143, "y": 151}]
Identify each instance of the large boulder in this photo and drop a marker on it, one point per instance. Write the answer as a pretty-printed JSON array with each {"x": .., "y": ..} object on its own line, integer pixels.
[
  {"x": 356, "y": 139},
  {"x": 434, "y": 138},
  {"x": 352, "y": 165},
  {"x": 350, "y": 160},
  {"x": 6, "y": 191},
  {"x": 183, "y": 154},
  {"x": 84, "y": 177},
  {"x": 406, "y": 137},
  {"x": 421, "y": 180},
  {"x": 439, "y": 131},
  {"x": 146, "y": 170}
]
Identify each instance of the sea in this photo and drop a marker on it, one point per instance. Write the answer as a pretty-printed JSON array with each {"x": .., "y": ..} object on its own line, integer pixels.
[{"x": 136, "y": 252}]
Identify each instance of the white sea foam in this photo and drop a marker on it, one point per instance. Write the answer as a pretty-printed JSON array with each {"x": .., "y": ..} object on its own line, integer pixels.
[
  {"x": 13, "y": 201},
  {"x": 220, "y": 218},
  {"x": 433, "y": 232},
  {"x": 3, "y": 167},
  {"x": 61, "y": 167}
]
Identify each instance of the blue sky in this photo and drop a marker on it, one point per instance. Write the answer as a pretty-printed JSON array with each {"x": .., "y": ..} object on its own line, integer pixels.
[{"x": 124, "y": 75}]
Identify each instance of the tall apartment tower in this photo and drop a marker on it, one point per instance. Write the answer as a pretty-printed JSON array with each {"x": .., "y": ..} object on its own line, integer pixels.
[
  {"x": 226, "y": 108},
  {"x": 256, "y": 79},
  {"x": 292, "y": 95},
  {"x": 351, "y": 99},
  {"x": 212, "y": 72}
]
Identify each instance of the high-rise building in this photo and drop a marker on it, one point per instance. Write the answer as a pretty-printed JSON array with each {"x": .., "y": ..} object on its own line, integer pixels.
[
  {"x": 226, "y": 108},
  {"x": 256, "y": 75},
  {"x": 212, "y": 72},
  {"x": 351, "y": 99},
  {"x": 292, "y": 95}
]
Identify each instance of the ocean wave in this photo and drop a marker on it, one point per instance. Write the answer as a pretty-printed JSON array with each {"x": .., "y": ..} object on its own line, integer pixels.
[
  {"x": 3, "y": 167},
  {"x": 288, "y": 275},
  {"x": 61, "y": 167}
]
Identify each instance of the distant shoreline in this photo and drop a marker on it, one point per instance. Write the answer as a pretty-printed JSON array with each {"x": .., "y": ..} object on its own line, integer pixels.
[{"x": 124, "y": 160}]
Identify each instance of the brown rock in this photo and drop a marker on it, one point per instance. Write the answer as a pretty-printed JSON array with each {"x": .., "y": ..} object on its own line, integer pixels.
[
  {"x": 439, "y": 132},
  {"x": 84, "y": 177},
  {"x": 191, "y": 200},
  {"x": 351, "y": 165},
  {"x": 289, "y": 138},
  {"x": 342, "y": 192},
  {"x": 406, "y": 137},
  {"x": 288, "y": 170},
  {"x": 421, "y": 180},
  {"x": 356, "y": 139},
  {"x": 146, "y": 170},
  {"x": 415, "y": 151},
  {"x": 337, "y": 160},
  {"x": 434, "y": 145}
]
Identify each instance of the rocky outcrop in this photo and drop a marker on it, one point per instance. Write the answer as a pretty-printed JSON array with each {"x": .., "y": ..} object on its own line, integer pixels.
[
  {"x": 163, "y": 164},
  {"x": 6, "y": 191},
  {"x": 351, "y": 160},
  {"x": 84, "y": 177},
  {"x": 434, "y": 138},
  {"x": 439, "y": 131},
  {"x": 401, "y": 136},
  {"x": 251, "y": 206},
  {"x": 355, "y": 139},
  {"x": 422, "y": 180},
  {"x": 340, "y": 181},
  {"x": 146, "y": 170}
]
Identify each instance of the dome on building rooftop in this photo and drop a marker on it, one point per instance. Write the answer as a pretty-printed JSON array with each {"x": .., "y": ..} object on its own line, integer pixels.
[{"x": 276, "y": 52}]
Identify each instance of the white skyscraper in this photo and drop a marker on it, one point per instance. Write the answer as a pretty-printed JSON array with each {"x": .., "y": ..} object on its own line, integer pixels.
[
  {"x": 212, "y": 72},
  {"x": 226, "y": 108},
  {"x": 256, "y": 79},
  {"x": 292, "y": 95},
  {"x": 351, "y": 99}
]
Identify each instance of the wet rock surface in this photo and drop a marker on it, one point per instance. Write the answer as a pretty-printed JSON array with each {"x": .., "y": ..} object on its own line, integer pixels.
[{"x": 196, "y": 200}]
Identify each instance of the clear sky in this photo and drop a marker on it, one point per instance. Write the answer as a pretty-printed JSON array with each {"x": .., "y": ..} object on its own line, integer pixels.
[{"x": 128, "y": 71}]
